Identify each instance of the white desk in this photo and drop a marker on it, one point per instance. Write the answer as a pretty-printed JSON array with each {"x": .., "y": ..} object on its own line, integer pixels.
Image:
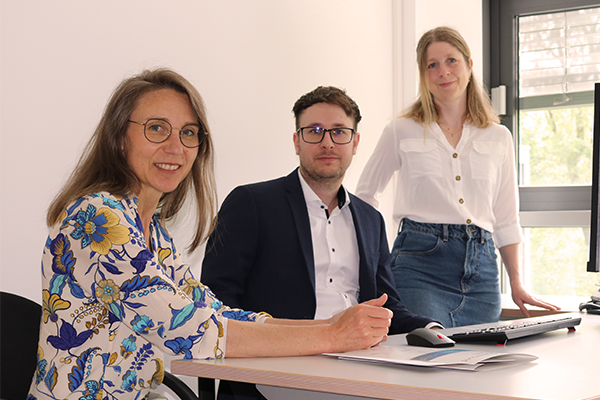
[{"x": 568, "y": 368}]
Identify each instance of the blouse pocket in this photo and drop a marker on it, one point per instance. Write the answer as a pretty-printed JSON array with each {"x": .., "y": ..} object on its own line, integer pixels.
[
  {"x": 485, "y": 159},
  {"x": 422, "y": 157}
]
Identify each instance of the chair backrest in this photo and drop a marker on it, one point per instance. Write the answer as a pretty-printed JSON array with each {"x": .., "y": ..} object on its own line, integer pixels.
[{"x": 19, "y": 332}]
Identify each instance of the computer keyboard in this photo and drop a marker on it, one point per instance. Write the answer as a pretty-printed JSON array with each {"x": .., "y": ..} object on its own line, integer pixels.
[{"x": 502, "y": 331}]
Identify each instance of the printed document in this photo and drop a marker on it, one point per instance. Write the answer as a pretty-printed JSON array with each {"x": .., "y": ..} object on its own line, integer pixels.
[{"x": 453, "y": 357}]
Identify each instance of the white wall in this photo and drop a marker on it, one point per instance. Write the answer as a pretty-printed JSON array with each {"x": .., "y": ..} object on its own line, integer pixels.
[{"x": 250, "y": 59}]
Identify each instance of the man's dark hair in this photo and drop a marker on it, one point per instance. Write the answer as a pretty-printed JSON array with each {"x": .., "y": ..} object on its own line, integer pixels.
[{"x": 329, "y": 95}]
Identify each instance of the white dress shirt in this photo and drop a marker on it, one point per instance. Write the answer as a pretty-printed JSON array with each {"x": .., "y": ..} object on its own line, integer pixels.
[
  {"x": 335, "y": 250},
  {"x": 474, "y": 183}
]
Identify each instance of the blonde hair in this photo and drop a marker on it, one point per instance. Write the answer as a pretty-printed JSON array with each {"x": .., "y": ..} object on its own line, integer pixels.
[
  {"x": 479, "y": 107},
  {"x": 103, "y": 166}
]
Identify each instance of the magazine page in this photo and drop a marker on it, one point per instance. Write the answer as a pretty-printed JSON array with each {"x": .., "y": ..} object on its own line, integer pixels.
[{"x": 453, "y": 358}]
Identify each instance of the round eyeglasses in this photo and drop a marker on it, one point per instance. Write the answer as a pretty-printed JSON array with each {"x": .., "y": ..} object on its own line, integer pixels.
[
  {"x": 158, "y": 130},
  {"x": 315, "y": 134}
]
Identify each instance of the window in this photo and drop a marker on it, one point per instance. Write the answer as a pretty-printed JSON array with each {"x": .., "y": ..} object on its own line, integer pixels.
[
  {"x": 558, "y": 59},
  {"x": 548, "y": 58}
]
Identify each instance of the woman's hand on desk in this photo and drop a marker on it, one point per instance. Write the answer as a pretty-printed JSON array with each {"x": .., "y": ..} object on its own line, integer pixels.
[
  {"x": 361, "y": 326},
  {"x": 521, "y": 297},
  {"x": 510, "y": 258}
]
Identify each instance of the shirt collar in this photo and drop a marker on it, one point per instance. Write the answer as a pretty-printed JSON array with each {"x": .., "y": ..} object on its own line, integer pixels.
[{"x": 310, "y": 195}]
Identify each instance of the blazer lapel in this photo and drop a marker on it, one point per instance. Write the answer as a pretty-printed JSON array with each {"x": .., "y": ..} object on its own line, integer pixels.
[
  {"x": 295, "y": 197},
  {"x": 365, "y": 234}
]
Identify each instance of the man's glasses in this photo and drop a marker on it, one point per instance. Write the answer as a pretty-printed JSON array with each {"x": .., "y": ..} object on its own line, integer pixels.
[
  {"x": 159, "y": 130},
  {"x": 315, "y": 134}
]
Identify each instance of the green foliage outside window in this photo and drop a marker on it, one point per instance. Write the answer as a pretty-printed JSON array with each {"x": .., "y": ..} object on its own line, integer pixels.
[
  {"x": 560, "y": 153},
  {"x": 557, "y": 262},
  {"x": 561, "y": 145}
]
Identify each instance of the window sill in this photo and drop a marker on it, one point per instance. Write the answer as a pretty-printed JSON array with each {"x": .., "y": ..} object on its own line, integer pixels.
[{"x": 540, "y": 219}]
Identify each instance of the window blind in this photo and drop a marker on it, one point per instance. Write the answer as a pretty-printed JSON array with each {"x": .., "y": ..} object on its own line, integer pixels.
[{"x": 559, "y": 53}]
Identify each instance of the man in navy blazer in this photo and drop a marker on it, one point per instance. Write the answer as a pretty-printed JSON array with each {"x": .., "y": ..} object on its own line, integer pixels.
[
  {"x": 301, "y": 246},
  {"x": 261, "y": 256}
]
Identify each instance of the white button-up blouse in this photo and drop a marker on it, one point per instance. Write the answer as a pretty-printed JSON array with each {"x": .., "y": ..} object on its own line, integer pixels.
[{"x": 474, "y": 183}]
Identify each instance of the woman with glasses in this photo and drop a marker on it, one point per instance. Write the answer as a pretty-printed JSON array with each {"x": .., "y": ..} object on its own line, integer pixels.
[
  {"x": 456, "y": 188},
  {"x": 116, "y": 292}
]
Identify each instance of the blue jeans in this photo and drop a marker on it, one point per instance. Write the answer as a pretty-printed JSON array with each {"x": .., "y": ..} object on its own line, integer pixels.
[{"x": 447, "y": 272}]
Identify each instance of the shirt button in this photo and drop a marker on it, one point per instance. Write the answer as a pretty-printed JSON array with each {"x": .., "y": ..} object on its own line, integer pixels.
[
  {"x": 461, "y": 201},
  {"x": 455, "y": 155},
  {"x": 469, "y": 222},
  {"x": 333, "y": 250},
  {"x": 457, "y": 177}
]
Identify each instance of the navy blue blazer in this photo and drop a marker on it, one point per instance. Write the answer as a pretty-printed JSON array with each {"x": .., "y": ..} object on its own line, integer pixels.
[{"x": 260, "y": 256}]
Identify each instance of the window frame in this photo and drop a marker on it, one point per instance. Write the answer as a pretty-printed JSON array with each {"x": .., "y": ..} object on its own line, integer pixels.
[
  {"x": 504, "y": 71},
  {"x": 540, "y": 206}
]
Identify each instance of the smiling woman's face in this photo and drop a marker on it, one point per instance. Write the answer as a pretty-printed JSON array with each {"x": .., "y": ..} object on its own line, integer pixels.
[
  {"x": 448, "y": 72},
  {"x": 160, "y": 167}
]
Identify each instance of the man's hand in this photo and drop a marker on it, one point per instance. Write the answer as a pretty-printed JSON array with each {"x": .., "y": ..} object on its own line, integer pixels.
[{"x": 361, "y": 326}]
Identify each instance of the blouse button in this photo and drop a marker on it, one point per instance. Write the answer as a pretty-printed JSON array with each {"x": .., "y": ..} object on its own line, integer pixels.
[
  {"x": 461, "y": 201},
  {"x": 455, "y": 155},
  {"x": 469, "y": 222},
  {"x": 458, "y": 177}
]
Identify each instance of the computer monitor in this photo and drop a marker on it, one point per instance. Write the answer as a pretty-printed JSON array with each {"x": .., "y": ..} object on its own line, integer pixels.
[{"x": 593, "y": 264}]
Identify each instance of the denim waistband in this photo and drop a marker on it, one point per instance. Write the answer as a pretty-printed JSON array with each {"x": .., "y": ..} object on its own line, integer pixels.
[{"x": 445, "y": 230}]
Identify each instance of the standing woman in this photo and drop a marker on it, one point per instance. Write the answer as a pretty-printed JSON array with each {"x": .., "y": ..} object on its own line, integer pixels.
[
  {"x": 116, "y": 293},
  {"x": 455, "y": 190}
]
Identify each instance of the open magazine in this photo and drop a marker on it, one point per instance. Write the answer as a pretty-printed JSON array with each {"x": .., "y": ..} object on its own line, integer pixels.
[{"x": 454, "y": 358}]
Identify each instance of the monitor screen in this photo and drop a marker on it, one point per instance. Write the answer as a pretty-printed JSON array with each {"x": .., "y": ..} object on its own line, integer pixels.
[{"x": 593, "y": 264}]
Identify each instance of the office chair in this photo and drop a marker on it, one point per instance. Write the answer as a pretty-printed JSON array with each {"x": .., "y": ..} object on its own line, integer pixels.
[{"x": 19, "y": 330}]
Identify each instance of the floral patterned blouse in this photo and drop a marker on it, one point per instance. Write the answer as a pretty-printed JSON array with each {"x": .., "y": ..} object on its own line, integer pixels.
[{"x": 112, "y": 305}]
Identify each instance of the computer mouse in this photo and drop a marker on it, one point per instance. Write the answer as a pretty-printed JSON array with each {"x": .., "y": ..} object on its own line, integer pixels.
[
  {"x": 425, "y": 337},
  {"x": 591, "y": 307}
]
